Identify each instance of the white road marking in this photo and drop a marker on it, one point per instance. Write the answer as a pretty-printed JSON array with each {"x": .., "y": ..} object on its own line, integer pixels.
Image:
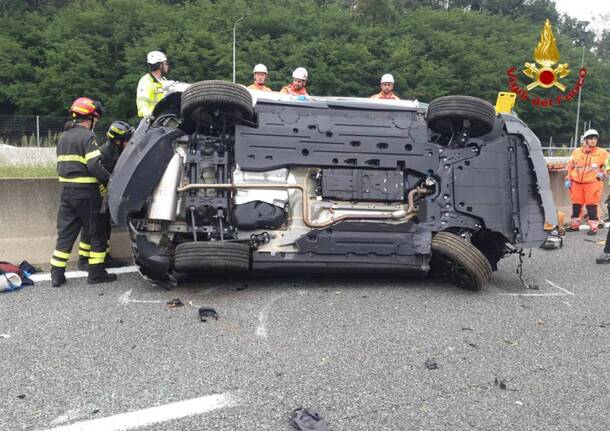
[
  {"x": 261, "y": 329},
  {"x": 67, "y": 417},
  {"x": 125, "y": 299},
  {"x": 154, "y": 415},
  {"x": 46, "y": 276},
  {"x": 565, "y": 292},
  {"x": 559, "y": 287}
]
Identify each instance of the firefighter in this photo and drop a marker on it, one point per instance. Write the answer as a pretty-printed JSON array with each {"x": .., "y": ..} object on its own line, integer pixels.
[
  {"x": 80, "y": 174},
  {"x": 585, "y": 180},
  {"x": 152, "y": 86},
  {"x": 118, "y": 134},
  {"x": 260, "y": 78},
  {"x": 387, "y": 88},
  {"x": 299, "y": 82}
]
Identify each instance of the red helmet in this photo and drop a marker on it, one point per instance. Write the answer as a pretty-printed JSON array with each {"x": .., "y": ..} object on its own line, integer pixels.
[{"x": 85, "y": 107}]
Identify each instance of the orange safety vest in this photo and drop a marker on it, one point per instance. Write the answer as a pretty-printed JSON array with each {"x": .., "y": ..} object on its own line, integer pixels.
[
  {"x": 584, "y": 165},
  {"x": 381, "y": 95},
  {"x": 262, "y": 87},
  {"x": 289, "y": 89}
]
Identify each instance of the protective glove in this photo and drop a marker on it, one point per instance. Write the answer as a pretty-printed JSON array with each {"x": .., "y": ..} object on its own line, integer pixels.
[
  {"x": 567, "y": 184},
  {"x": 600, "y": 176},
  {"x": 103, "y": 190},
  {"x": 168, "y": 85}
]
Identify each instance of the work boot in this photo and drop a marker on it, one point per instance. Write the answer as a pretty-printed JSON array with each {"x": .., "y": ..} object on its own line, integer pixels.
[
  {"x": 58, "y": 276},
  {"x": 83, "y": 263},
  {"x": 97, "y": 274},
  {"x": 111, "y": 262},
  {"x": 604, "y": 258},
  {"x": 574, "y": 225}
]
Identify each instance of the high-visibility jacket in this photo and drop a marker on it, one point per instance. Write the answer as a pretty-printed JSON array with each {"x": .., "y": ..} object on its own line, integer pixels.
[
  {"x": 79, "y": 159},
  {"x": 289, "y": 89},
  {"x": 382, "y": 95},
  {"x": 262, "y": 87},
  {"x": 586, "y": 163},
  {"x": 150, "y": 91}
]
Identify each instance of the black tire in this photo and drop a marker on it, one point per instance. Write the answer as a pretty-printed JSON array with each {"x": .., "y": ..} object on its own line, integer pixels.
[
  {"x": 448, "y": 114},
  {"x": 212, "y": 256},
  {"x": 460, "y": 262},
  {"x": 203, "y": 101}
]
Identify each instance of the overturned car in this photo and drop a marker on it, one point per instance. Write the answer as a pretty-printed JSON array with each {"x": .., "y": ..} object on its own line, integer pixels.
[{"x": 221, "y": 179}]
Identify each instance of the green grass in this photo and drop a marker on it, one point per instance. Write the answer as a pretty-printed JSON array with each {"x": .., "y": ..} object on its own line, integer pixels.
[{"x": 28, "y": 171}]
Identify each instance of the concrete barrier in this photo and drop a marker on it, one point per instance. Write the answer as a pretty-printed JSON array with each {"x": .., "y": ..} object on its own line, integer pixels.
[
  {"x": 27, "y": 156},
  {"x": 28, "y": 213}
]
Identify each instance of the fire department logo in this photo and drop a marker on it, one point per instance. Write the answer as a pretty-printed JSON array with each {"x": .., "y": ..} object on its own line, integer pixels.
[
  {"x": 546, "y": 55},
  {"x": 546, "y": 72}
]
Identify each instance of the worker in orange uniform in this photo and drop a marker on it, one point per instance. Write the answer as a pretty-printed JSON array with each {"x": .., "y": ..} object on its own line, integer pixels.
[
  {"x": 387, "y": 89},
  {"x": 299, "y": 82},
  {"x": 260, "y": 78},
  {"x": 585, "y": 180}
]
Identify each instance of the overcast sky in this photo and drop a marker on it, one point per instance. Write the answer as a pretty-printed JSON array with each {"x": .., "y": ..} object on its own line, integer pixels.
[{"x": 585, "y": 10}]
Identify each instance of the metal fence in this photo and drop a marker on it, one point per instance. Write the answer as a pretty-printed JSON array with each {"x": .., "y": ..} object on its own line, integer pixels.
[
  {"x": 565, "y": 150},
  {"x": 39, "y": 130}
]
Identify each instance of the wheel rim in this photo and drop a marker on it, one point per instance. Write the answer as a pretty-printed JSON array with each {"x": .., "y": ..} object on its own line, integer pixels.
[{"x": 454, "y": 272}]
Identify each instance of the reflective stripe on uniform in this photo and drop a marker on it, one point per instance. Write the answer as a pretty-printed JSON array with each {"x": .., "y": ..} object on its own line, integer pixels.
[
  {"x": 92, "y": 155},
  {"x": 83, "y": 249},
  {"x": 61, "y": 254},
  {"x": 71, "y": 158},
  {"x": 81, "y": 180},
  {"x": 97, "y": 257},
  {"x": 58, "y": 263}
]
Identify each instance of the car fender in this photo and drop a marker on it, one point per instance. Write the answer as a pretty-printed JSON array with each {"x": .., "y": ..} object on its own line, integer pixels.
[{"x": 139, "y": 169}]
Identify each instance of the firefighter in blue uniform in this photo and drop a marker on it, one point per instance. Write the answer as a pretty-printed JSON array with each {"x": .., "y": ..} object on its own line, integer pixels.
[{"x": 81, "y": 174}]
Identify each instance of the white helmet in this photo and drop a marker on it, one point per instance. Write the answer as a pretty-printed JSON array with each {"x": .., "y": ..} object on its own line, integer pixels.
[
  {"x": 300, "y": 73},
  {"x": 387, "y": 78},
  {"x": 155, "y": 57},
  {"x": 590, "y": 132},
  {"x": 260, "y": 68}
]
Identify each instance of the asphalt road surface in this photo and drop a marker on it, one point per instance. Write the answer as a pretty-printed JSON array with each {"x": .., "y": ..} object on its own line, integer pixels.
[{"x": 360, "y": 351}]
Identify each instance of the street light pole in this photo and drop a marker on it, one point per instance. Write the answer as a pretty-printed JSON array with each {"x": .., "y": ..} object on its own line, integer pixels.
[
  {"x": 234, "y": 28},
  {"x": 576, "y": 141}
]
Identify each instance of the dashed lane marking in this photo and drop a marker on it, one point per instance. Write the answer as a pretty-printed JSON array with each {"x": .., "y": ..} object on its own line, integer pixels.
[{"x": 154, "y": 415}]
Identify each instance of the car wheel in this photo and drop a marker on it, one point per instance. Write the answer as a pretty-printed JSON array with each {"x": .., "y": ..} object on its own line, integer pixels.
[
  {"x": 450, "y": 114},
  {"x": 204, "y": 101},
  {"x": 458, "y": 261},
  {"x": 212, "y": 256}
]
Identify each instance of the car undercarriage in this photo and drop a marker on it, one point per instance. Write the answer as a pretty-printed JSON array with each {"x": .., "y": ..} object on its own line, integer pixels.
[{"x": 222, "y": 180}]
